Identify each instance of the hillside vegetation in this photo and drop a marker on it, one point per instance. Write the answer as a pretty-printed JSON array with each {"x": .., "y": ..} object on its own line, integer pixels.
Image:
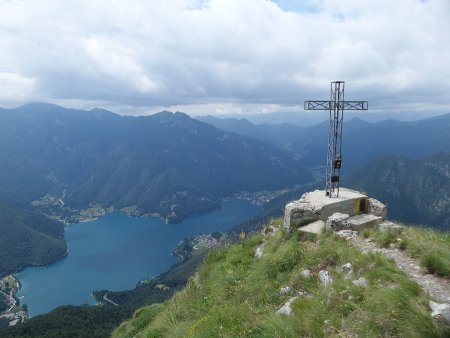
[
  {"x": 166, "y": 163},
  {"x": 235, "y": 294},
  {"x": 28, "y": 238},
  {"x": 415, "y": 191}
]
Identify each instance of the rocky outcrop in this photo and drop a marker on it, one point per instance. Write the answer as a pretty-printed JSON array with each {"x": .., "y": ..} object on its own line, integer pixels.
[{"x": 377, "y": 208}]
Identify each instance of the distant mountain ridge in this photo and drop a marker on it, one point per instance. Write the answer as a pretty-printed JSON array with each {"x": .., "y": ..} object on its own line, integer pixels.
[
  {"x": 416, "y": 191},
  {"x": 363, "y": 141},
  {"x": 166, "y": 163}
]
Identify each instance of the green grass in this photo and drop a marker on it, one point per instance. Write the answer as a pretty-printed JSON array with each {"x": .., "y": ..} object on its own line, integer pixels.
[
  {"x": 235, "y": 294},
  {"x": 432, "y": 248}
]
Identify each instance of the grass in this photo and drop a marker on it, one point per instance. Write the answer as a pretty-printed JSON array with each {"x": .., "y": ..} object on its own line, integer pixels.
[
  {"x": 235, "y": 294},
  {"x": 432, "y": 248}
]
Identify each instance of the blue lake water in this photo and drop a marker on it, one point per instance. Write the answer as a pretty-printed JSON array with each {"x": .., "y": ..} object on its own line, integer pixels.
[{"x": 115, "y": 252}]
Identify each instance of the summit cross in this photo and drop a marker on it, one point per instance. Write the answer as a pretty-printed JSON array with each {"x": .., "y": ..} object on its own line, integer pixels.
[{"x": 336, "y": 106}]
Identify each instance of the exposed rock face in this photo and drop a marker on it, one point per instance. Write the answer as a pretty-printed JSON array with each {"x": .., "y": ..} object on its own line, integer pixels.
[{"x": 377, "y": 208}]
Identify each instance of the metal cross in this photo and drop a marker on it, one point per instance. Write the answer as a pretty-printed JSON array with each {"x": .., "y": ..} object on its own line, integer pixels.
[{"x": 336, "y": 106}]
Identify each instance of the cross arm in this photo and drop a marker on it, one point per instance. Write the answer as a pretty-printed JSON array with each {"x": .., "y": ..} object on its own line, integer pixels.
[
  {"x": 343, "y": 105},
  {"x": 319, "y": 105},
  {"x": 353, "y": 105}
]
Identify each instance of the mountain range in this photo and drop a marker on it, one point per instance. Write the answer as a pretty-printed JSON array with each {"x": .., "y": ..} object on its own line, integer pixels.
[
  {"x": 167, "y": 163},
  {"x": 362, "y": 141}
]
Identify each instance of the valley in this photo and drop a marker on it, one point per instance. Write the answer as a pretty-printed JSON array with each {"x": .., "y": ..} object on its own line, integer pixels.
[
  {"x": 108, "y": 181},
  {"x": 100, "y": 256}
]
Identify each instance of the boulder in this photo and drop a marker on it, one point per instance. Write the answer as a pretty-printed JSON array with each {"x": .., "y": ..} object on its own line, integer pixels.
[
  {"x": 377, "y": 208},
  {"x": 440, "y": 310}
]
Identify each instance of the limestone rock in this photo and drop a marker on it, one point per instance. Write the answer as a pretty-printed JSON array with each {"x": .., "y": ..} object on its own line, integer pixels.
[
  {"x": 259, "y": 251},
  {"x": 345, "y": 268},
  {"x": 347, "y": 234},
  {"x": 305, "y": 273},
  {"x": 338, "y": 221},
  {"x": 386, "y": 225},
  {"x": 270, "y": 230},
  {"x": 285, "y": 290},
  {"x": 438, "y": 310},
  {"x": 286, "y": 309},
  {"x": 377, "y": 208},
  {"x": 325, "y": 277},
  {"x": 362, "y": 281}
]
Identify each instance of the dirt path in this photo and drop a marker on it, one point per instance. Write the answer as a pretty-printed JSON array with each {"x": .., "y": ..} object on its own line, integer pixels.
[{"x": 437, "y": 287}]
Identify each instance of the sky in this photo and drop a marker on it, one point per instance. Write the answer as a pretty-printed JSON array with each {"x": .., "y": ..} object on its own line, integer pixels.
[{"x": 225, "y": 56}]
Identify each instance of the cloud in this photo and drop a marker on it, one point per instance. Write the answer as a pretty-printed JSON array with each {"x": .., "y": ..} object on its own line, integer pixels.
[{"x": 139, "y": 56}]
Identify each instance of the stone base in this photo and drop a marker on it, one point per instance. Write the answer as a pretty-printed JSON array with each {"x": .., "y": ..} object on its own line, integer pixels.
[
  {"x": 364, "y": 221},
  {"x": 315, "y": 205},
  {"x": 316, "y": 227}
]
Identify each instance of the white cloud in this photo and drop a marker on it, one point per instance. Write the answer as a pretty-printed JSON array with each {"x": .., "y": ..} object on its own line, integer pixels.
[
  {"x": 15, "y": 88},
  {"x": 214, "y": 55}
]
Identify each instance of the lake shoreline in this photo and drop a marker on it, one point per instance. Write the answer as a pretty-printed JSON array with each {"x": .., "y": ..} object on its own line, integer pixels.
[{"x": 98, "y": 256}]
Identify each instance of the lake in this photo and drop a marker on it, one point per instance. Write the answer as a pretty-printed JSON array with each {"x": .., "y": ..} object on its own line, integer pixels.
[{"x": 116, "y": 251}]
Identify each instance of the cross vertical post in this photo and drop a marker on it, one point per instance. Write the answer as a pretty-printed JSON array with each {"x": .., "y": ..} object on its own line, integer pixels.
[{"x": 336, "y": 107}]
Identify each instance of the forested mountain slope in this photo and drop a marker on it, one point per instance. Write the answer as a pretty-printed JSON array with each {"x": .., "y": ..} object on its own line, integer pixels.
[{"x": 166, "y": 163}]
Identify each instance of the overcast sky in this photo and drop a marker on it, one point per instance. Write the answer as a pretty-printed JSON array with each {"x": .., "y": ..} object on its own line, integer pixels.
[{"x": 224, "y": 56}]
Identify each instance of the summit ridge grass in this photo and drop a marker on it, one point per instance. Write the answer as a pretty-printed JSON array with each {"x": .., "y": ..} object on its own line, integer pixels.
[{"x": 234, "y": 294}]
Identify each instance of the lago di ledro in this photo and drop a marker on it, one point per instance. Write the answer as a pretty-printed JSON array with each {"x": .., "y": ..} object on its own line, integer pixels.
[{"x": 116, "y": 251}]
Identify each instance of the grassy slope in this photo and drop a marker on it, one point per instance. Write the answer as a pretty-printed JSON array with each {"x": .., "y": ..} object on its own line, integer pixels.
[{"x": 236, "y": 295}]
